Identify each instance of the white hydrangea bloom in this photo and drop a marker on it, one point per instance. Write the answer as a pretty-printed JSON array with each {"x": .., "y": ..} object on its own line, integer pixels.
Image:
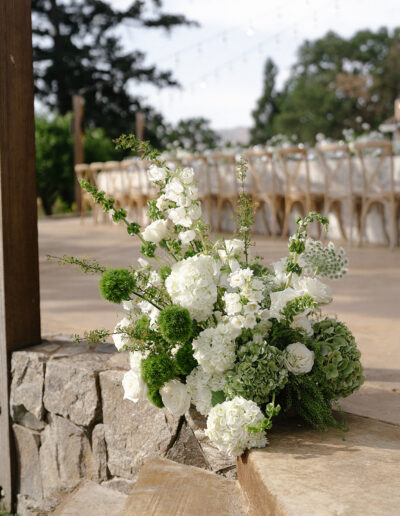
[
  {"x": 201, "y": 385},
  {"x": 298, "y": 359},
  {"x": 227, "y": 426},
  {"x": 192, "y": 284},
  {"x": 156, "y": 231},
  {"x": 214, "y": 348},
  {"x": 176, "y": 397},
  {"x": 120, "y": 339},
  {"x": 135, "y": 359}
]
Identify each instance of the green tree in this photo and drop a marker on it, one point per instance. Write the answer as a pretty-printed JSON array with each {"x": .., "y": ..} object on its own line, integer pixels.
[
  {"x": 267, "y": 106},
  {"x": 77, "y": 49},
  {"x": 191, "y": 134}
]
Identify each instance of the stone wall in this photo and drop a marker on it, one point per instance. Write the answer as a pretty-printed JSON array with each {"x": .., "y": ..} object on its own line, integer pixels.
[{"x": 71, "y": 423}]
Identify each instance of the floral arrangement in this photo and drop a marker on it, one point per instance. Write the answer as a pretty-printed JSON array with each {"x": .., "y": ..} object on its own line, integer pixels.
[{"x": 208, "y": 325}]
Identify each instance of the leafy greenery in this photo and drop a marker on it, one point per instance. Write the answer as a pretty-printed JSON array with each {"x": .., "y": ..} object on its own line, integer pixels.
[
  {"x": 192, "y": 134},
  {"x": 116, "y": 285},
  {"x": 175, "y": 324},
  {"x": 86, "y": 265}
]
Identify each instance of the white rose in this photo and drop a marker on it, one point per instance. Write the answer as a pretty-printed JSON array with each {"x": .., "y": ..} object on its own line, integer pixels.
[
  {"x": 135, "y": 360},
  {"x": 298, "y": 359},
  {"x": 121, "y": 339},
  {"x": 156, "y": 231},
  {"x": 280, "y": 299},
  {"x": 135, "y": 388},
  {"x": 187, "y": 236},
  {"x": 187, "y": 175},
  {"x": 175, "y": 396},
  {"x": 155, "y": 173},
  {"x": 320, "y": 292}
]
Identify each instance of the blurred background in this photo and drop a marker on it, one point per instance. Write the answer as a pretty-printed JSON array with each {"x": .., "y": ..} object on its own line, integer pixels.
[{"x": 194, "y": 76}]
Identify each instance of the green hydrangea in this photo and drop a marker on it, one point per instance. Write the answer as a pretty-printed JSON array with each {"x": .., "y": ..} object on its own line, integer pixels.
[
  {"x": 157, "y": 370},
  {"x": 258, "y": 373},
  {"x": 184, "y": 359},
  {"x": 337, "y": 367},
  {"x": 175, "y": 324},
  {"x": 116, "y": 285}
]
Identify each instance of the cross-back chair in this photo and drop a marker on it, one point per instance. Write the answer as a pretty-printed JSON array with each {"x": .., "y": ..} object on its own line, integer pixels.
[
  {"x": 337, "y": 165},
  {"x": 224, "y": 166},
  {"x": 378, "y": 186}
]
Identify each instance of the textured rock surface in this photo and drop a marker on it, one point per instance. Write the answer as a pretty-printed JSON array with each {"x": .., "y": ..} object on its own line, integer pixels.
[
  {"x": 27, "y": 506},
  {"x": 165, "y": 488},
  {"x": 304, "y": 473},
  {"x": 91, "y": 499},
  {"x": 186, "y": 449},
  {"x": 26, "y": 396},
  {"x": 123, "y": 485},
  {"x": 64, "y": 456},
  {"x": 99, "y": 454},
  {"x": 27, "y": 442},
  {"x": 71, "y": 387},
  {"x": 133, "y": 431}
]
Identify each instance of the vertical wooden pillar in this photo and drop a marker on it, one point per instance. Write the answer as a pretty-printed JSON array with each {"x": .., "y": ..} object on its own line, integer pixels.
[
  {"x": 140, "y": 125},
  {"x": 78, "y": 103},
  {"x": 19, "y": 269}
]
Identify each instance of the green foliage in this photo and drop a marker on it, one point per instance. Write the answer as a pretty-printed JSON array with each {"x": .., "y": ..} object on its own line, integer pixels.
[
  {"x": 324, "y": 261},
  {"x": 86, "y": 265},
  {"x": 217, "y": 397},
  {"x": 77, "y": 47},
  {"x": 258, "y": 373},
  {"x": 99, "y": 147},
  {"x": 116, "y": 285},
  {"x": 149, "y": 249},
  {"x": 175, "y": 324},
  {"x": 281, "y": 335},
  {"x": 157, "y": 370},
  {"x": 192, "y": 134},
  {"x": 154, "y": 396},
  {"x": 184, "y": 359},
  {"x": 54, "y": 160},
  {"x": 245, "y": 211},
  {"x": 164, "y": 272},
  {"x": 271, "y": 410},
  {"x": 336, "y": 82},
  {"x": 337, "y": 368}
]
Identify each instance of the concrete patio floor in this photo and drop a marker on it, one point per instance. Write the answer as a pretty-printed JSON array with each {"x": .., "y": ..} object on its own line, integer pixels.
[{"x": 368, "y": 299}]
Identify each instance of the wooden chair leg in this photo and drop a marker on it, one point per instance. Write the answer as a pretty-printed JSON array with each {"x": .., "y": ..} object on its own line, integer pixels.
[
  {"x": 381, "y": 210},
  {"x": 288, "y": 210},
  {"x": 338, "y": 210}
]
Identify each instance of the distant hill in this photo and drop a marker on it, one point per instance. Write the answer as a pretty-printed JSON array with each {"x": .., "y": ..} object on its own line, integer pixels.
[{"x": 235, "y": 135}]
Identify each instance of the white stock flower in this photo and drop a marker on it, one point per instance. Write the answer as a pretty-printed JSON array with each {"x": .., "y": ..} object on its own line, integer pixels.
[
  {"x": 227, "y": 426},
  {"x": 187, "y": 236},
  {"x": 121, "y": 339},
  {"x": 162, "y": 203},
  {"x": 191, "y": 193},
  {"x": 155, "y": 173},
  {"x": 298, "y": 359},
  {"x": 180, "y": 217},
  {"x": 280, "y": 299},
  {"x": 187, "y": 175},
  {"x": 232, "y": 303},
  {"x": 156, "y": 231},
  {"x": 175, "y": 396},
  {"x": 135, "y": 388},
  {"x": 214, "y": 348},
  {"x": 240, "y": 277},
  {"x": 174, "y": 190},
  {"x": 192, "y": 284},
  {"x": 194, "y": 211},
  {"x": 201, "y": 385},
  {"x": 320, "y": 292}
]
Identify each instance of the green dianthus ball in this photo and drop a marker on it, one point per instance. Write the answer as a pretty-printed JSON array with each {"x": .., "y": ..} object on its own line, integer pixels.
[
  {"x": 175, "y": 324},
  {"x": 337, "y": 367},
  {"x": 157, "y": 370},
  {"x": 116, "y": 285},
  {"x": 184, "y": 359},
  {"x": 258, "y": 373},
  {"x": 154, "y": 397}
]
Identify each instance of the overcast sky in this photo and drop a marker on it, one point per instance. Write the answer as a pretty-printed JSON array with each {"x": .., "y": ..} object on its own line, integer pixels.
[{"x": 220, "y": 63}]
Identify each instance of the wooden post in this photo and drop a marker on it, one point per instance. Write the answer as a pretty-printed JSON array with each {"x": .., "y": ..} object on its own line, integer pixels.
[
  {"x": 19, "y": 269},
  {"x": 140, "y": 125},
  {"x": 78, "y": 103}
]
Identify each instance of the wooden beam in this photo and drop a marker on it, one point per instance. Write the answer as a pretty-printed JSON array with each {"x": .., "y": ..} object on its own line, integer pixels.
[
  {"x": 140, "y": 125},
  {"x": 78, "y": 103},
  {"x": 19, "y": 269}
]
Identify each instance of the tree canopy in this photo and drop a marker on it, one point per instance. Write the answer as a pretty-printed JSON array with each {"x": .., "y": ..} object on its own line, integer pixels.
[
  {"x": 77, "y": 49},
  {"x": 336, "y": 83}
]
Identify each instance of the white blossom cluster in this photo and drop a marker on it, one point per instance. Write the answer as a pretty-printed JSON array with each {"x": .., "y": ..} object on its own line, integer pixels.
[{"x": 201, "y": 385}]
